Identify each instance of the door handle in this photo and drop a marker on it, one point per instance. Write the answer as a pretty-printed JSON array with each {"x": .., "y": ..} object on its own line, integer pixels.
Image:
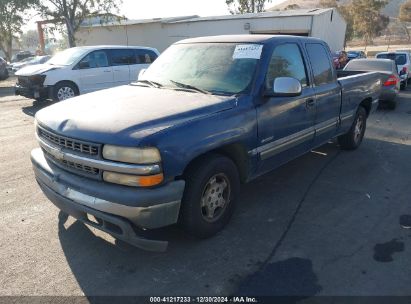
[
  {"x": 107, "y": 71},
  {"x": 309, "y": 103}
]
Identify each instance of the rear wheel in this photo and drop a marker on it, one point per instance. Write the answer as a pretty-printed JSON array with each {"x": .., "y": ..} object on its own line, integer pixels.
[
  {"x": 353, "y": 138},
  {"x": 212, "y": 187},
  {"x": 404, "y": 85},
  {"x": 392, "y": 104},
  {"x": 64, "y": 90}
]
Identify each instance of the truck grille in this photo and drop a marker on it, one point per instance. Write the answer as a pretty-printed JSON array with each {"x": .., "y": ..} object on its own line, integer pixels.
[
  {"x": 73, "y": 166},
  {"x": 69, "y": 143}
]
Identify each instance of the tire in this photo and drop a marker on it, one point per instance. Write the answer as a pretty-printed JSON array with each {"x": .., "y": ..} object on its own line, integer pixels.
[
  {"x": 392, "y": 104},
  {"x": 64, "y": 90},
  {"x": 210, "y": 181},
  {"x": 353, "y": 138},
  {"x": 403, "y": 86}
]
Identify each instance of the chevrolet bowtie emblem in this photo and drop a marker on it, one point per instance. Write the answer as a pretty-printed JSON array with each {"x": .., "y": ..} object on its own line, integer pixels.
[{"x": 57, "y": 153}]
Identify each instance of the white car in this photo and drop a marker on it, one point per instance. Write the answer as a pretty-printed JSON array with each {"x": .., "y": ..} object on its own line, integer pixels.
[
  {"x": 403, "y": 61},
  {"x": 81, "y": 70}
]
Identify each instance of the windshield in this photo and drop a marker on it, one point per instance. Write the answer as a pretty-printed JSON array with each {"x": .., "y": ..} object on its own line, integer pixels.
[
  {"x": 400, "y": 59},
  {"x": 67, "y": 57},
  {"x": 222, "y": 68}
]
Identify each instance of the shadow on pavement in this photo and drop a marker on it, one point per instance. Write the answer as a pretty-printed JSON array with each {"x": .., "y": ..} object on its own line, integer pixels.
[
  {"x": 208, "y": 266},
  {"x": 36, "y": 106}
]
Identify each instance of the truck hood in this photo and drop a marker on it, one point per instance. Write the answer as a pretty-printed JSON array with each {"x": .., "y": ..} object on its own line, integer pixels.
[
  {"x": 116, "y": 115},
  {"x": 36, "y": 69}
]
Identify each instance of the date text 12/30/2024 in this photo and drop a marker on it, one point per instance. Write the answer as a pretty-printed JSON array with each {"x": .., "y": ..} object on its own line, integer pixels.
[{"x": 203, "y": 300}]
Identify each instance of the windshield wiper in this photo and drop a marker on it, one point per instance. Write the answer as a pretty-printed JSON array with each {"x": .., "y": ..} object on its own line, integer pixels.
[
  {"x": 190, "y": 87},
  {"x": 151, "y": 83}
]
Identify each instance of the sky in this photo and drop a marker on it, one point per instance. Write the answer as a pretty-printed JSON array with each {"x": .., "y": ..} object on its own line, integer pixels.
[
  {"x": 142, "y": 9},
  {"x": 146, "y": 9}
]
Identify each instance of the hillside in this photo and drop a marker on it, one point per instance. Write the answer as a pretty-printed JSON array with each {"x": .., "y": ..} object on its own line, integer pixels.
[{"x": 391, "y": 10}]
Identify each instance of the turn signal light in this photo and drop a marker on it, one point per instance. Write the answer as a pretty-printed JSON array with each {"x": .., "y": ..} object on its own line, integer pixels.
[{"x": 133, "y": 180}]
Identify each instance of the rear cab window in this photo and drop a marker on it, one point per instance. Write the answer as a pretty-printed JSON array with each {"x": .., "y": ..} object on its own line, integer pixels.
[{"x": 320, "y": 64}]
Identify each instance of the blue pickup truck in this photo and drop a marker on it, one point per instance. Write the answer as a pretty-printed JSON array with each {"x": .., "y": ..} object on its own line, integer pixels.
[{"x": 209, "y": 114}]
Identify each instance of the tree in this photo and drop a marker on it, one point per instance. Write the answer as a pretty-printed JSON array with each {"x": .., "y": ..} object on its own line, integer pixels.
[
  {"x": 12, "y": 17},
  {"x": 29, "y": 40},
  {"x": 405, "y": 16},
  {"x": 345, "y": 11},
  {"x": 367, "y": 18},
  {"x": 246, "y": 6},
  {"x": 73, "y": 12}
]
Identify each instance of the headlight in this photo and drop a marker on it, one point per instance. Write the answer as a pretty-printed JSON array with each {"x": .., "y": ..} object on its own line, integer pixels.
[
  {"x": 131, "y": 155},
  {"x": 132, "y": 180},
  {"x": 37, "y": 79}
]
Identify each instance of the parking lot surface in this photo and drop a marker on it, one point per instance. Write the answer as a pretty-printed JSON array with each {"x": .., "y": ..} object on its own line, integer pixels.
[{"x": 329, "y": 223}]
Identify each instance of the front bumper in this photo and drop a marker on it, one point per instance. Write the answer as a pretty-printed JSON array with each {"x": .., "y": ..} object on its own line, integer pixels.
[
  {"x": 32, "y": 92},
  {"x": 123, "y": 212}
]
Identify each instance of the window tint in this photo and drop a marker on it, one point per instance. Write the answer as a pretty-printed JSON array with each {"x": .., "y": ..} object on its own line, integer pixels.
[
  {"x": 145, "y": 56},
  {"x": 400, "y": 59},
  {"x": 286, "y": 61},
  {"x": 320, "y": 64},
  {"x": 97, "y": 59},
  {"x": 122, "y": 57}
]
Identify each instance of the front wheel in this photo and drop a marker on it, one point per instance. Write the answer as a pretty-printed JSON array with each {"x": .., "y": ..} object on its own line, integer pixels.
[
  {"x": 64, "y": 90},
  {"x": 212, "y": 187},
  {"x": 353, "y": 138}
]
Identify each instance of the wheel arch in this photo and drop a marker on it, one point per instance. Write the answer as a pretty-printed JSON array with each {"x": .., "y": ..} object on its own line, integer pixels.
[
  {"x": 366, "y": 104},
  {"x": 236, "y": 152}
]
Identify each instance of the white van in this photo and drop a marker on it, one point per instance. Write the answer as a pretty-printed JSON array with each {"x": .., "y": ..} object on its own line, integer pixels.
[{"x": 81, "y": 70}]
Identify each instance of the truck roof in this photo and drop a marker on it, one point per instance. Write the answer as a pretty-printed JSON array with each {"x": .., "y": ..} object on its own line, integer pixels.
[{"x": 246, "y": 39}]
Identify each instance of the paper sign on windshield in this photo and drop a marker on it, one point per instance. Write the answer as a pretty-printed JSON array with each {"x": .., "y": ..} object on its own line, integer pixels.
[{"x": 248, "y": 51}]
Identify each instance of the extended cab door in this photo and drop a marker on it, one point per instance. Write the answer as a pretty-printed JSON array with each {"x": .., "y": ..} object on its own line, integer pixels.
[
  {"x": 327, "y": 92},
  {"x": 94, "y": 72},
  {"x": 285, "y": 124}
]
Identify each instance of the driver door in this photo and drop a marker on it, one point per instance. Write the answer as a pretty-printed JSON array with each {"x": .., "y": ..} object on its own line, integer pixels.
[{"x": 285, "y": 124}]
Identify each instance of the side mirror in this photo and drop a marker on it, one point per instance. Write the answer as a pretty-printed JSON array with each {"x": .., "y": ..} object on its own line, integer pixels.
[
  {"x": 141, "y": 73},
  {"x": 285, "y": 87}
]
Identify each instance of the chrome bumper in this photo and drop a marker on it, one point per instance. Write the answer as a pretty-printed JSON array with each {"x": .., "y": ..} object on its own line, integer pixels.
[{"x": 112, "y": 204}]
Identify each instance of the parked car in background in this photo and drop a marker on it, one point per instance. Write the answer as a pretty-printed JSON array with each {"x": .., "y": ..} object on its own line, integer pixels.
[
  {"x": 355, "y": 55},
  {"x": 4, "y": 73},
  {"x": 81, "y": 70},
  {"x": 30, "y": 61},
  {"x": 340, "y": 59},
  {"x": 209, "y": 114},
  {"x": 403, "y": 62},
  {"x": 20, "y": 56},
  {"x": 11, "y": 66},
  {"x": 389, "y": 76}
]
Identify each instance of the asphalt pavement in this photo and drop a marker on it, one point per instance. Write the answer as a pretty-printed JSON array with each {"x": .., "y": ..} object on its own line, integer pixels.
[{"x": 328, "y": 223}]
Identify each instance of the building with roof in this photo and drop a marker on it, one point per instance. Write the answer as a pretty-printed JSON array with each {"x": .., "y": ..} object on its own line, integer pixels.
[{"x": 326, "y": 24}]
